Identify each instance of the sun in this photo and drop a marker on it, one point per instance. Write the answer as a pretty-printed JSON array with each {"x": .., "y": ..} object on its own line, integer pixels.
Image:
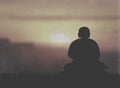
[{"x": 59, "y": 38}]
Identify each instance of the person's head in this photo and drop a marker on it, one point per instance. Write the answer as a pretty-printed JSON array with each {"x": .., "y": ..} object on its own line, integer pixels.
[{"x": 84, "y": 33}]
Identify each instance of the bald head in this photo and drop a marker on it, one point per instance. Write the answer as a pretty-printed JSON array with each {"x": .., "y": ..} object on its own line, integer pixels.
[{"x": 84, "y": 33}]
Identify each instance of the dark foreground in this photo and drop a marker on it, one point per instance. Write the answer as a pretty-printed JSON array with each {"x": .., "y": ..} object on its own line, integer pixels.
[
  {"x": 75, "y": 75},
  {"x": 61, "y": 80}
]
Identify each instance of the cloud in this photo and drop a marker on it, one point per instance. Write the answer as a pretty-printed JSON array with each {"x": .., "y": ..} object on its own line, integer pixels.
[
  {"x": 13, "y": 17},
  {"x": 60, "y": 7}
]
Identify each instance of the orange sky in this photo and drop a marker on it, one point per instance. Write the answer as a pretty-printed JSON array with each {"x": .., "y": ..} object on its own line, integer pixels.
[{"x": 38, "y": 20}]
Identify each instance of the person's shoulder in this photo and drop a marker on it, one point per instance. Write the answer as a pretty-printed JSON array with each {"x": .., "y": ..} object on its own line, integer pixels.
[
  {"x": 75, "y": 41},
  {"x": 92, "y": 41}
]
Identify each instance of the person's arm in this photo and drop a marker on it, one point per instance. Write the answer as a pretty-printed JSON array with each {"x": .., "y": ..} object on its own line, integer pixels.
[
  {"x": 97, "y": 50},
  {"x": 72, "y": 51}
]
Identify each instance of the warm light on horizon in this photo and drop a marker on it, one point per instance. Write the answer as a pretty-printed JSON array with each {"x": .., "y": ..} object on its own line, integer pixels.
[{"x": 59, "y": 38}]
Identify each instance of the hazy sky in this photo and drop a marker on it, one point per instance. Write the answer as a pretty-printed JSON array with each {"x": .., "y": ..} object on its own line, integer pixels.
[
  {"x": 57, "y": 22},
  {"x": 47, "y": 21}
]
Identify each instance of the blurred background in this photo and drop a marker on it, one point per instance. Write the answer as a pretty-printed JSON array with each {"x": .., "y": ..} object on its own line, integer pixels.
[{"x": 35, "y": 34}]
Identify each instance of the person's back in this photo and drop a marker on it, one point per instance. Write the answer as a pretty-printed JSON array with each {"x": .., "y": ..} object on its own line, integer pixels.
[
  {"x": 85, "y": 55},
  {"x": 84, "y": 49}
]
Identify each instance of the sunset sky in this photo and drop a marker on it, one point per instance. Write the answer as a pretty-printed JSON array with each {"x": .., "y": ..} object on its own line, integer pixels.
[
  {"x": 40, "y": 20},
  {"x": 47, "y": 21}
]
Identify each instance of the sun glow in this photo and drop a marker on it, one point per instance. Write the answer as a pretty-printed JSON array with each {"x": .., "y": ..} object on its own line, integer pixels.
[{"x": 59, "y": 38}]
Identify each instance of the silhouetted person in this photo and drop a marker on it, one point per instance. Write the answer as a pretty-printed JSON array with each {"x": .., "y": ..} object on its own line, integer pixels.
[
  {"x": 84, "y": 48},
  {"x": 85, "y": 54}
]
